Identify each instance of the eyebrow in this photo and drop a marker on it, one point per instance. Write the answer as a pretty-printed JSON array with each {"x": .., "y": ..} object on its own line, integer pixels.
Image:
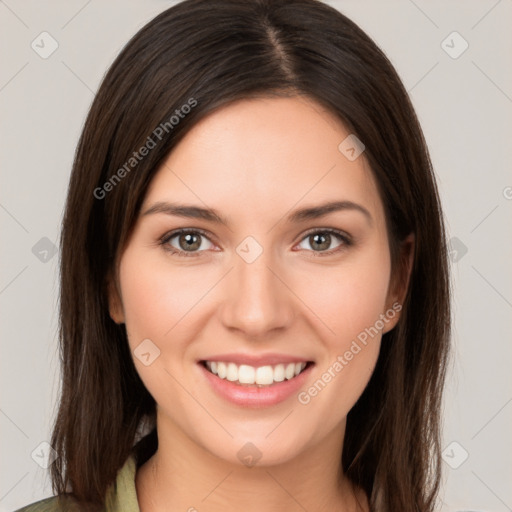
[{"x": 300, "y": 215}]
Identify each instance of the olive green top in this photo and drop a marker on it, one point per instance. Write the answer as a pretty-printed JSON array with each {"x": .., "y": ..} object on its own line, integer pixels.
[{"x": 121, "y": 495}]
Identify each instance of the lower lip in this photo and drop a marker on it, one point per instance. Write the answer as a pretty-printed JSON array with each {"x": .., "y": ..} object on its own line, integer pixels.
[{"x": 253, "y": 396}]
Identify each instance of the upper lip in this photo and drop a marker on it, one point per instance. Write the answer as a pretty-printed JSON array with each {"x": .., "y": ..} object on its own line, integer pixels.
[{"x": 257, "y": 360}]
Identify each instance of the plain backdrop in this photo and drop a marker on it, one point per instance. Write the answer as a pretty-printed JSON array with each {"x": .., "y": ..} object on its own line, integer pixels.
[{"x": 454, "y": 59}]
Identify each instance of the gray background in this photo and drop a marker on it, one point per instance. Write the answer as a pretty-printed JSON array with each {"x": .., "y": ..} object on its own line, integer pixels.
[{"x": 465, "y": 107}]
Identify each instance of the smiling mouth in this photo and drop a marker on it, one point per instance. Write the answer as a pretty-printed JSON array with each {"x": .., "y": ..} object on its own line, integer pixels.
[{"x": 262, "y": 376}]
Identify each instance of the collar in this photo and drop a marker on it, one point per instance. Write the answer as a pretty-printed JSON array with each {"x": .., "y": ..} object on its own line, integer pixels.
[{"x": 122, "y": 495}]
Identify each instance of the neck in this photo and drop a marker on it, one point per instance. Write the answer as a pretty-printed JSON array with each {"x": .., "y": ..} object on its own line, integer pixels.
[{"x": 182, "y": 475}]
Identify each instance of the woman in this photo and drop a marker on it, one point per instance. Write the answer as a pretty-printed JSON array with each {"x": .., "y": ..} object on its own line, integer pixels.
[{"x": 254, "y": 302}]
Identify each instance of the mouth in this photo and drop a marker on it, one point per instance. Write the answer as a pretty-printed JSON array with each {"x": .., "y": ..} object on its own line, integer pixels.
[{"x": 245, "y": 375}]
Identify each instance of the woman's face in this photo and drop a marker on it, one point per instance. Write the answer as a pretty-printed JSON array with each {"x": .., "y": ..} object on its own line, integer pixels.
[{"x": 267, "y": 288}]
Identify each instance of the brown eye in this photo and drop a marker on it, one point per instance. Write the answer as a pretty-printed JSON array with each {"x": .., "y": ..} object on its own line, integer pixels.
[
  {"x": 189, "y": 241},
  {"x": 186, "y": 242},
  {"x": 320, "y": 241}
]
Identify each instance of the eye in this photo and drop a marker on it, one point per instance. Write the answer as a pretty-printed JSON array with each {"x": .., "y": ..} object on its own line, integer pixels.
[
  {"x": 321, "y": 239},
  {"x": 188, "y": 242}
]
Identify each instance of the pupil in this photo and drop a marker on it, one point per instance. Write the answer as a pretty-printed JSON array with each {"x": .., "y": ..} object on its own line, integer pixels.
[
  {"x": 326, "y": 238},
  {"x": 321, "y": 241},
  {"x": 188, "y": 241}
]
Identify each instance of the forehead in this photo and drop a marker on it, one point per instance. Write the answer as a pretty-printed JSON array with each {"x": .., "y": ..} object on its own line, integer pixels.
[{"x": 260, "y": 156}]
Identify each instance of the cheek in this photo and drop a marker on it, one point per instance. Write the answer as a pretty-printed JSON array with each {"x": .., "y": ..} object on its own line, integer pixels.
[
  {"x": 347, "y": 298},
  {"x": 349, "y": 301},
  {"x": 156, "y": 296},
  {"x": 158, "y": 302},
  {"x": 351, "y": 308}
]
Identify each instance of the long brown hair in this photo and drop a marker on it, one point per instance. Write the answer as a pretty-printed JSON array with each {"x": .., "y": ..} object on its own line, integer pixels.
[{"x": 213, "y": 53}]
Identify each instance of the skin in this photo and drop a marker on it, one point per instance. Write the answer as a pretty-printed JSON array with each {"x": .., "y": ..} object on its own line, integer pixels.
[{"x": 255, "y": 161}]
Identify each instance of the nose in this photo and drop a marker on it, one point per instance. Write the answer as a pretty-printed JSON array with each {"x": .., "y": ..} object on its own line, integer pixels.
[{"x": 257, "y": 301}]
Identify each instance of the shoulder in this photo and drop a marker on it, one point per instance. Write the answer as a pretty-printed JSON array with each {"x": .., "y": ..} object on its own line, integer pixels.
[
  {"x": 62, "y": 503},
  {"x": 121, "y": 496}
]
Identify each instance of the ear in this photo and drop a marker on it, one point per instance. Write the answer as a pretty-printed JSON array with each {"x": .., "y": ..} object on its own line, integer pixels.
[
  {"x": 115, "y": 304},
  {"x": 399, "y": 283}
]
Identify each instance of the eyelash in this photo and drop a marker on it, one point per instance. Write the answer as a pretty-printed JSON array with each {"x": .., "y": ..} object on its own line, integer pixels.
[{"x": 164, "y": 241}]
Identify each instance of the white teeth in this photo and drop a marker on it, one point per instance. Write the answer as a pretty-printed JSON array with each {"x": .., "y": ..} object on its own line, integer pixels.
[
  {"x": 279, "y": 373},
  {"x": 262, "y": 376},
  {"x": 221, "y": 370},
  {"x": 232, "y": 372},
  {"x": 246, "y": 374},
  {"x": 290, "y": 371}
]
